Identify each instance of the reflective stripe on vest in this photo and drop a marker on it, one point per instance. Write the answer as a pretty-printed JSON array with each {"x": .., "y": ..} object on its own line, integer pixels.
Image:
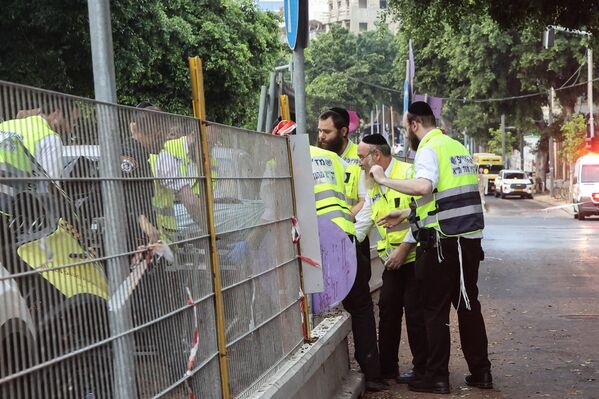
[
  {"x": 329, "y": 189},
  {"x": 455, "y": 209},
  {"x": 382, "y": 204}
]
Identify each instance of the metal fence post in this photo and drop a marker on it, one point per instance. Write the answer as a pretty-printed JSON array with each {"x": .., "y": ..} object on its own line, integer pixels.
[
  {"x": 199, "y": 111},
  {"x": 115, "y": 228}
]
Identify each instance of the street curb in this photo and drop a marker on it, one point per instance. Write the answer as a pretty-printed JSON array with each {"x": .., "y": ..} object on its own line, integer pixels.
[
  {"x": 353, "y": 386},
  {"x": 318, "y": 369},
  {"x": 556, "y": 203}
]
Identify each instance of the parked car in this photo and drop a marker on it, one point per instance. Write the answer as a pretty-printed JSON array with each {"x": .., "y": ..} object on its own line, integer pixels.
[
  {"x": 513, "y": 182},
  {"x": 585, "y": 187}
]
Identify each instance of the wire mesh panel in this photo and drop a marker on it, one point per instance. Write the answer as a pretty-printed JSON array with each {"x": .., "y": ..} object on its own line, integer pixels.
[
  {"x": 259, "y": 270},
  {"x": 105, "y": 274}
]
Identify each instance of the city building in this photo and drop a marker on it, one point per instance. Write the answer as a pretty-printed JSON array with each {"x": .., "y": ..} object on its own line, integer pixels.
[{"x": 357, "y": 15}]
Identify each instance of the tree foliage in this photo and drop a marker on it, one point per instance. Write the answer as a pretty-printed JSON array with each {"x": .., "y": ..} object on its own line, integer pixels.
[
  {"x": 338, "y": 62},
  {"x": 574, "y": 134},
  {"x": 49, "y": 46},
  {"x": 509, "y": 15},
  {"x": 495, "y": 141}
]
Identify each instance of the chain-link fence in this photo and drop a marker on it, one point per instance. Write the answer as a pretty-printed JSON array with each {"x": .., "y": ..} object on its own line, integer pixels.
[{"x": 107, "y": 277}]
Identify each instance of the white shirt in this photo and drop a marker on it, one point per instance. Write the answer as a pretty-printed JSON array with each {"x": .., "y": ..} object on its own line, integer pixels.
[
  {"x": 426, "y": 166},
  {"x": 364, "y": 220},
  {"x": 169, "y": 167},
  {"x": 48, "y": 153}
]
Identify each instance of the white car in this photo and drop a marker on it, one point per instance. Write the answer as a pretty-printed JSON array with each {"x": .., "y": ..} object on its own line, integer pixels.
[
  {"x": 513, "y": 182},
  {"x": 585, "y": 187}
]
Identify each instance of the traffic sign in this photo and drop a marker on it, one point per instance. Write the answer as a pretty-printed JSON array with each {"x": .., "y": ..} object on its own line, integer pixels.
[{"x": 292, "y": 17}]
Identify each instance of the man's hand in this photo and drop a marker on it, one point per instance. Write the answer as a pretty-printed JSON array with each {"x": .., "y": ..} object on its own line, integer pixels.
[
  {"x": 393, "y": 218},
  {"x": 396, "y": 259},
  {"x": 377, "y": 172}
]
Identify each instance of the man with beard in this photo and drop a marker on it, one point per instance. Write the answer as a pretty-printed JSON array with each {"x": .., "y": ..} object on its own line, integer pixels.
[
  {"x": 447, "y": 222},
  {"x": 400, "y": 288},
  {"x": 333, "y": 127}
]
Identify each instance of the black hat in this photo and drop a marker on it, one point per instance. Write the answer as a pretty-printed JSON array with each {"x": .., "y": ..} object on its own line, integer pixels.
[
  {"x": 343, "y": 113},
  {"x": 144, "y": 105},
  {"x": 375, "y": 139},
  {"x": 420, "y": 108}
]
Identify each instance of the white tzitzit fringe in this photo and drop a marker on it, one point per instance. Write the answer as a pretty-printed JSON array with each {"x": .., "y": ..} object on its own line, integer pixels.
[{"x": 462, "y": 283}]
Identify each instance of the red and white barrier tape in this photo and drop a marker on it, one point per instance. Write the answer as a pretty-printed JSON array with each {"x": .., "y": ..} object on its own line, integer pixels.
[
  {"x": 195, "y": 343},
  {"x": 296, "y": 233}
]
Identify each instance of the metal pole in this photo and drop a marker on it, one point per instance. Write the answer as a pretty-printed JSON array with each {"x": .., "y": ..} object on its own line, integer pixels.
[
  {"x": 550, "y": 144},
  {"x": 590, "y": 91},
  {"x": 262, "y": 105},
  {"x": 521, "y": 151},
  {"x": 299, "y": 86},
  {"x": 503, "y": 138},
  {"x": 371, "y": 122},
  {"x": 199, "y": 111},
  {"x": 272, "y": 98},
  {"x": 392, "y": 127},
  {"x": 115, "y": 228}
]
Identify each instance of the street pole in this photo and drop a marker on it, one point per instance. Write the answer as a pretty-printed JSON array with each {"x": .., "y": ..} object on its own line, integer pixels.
[
  {"x": 550, "y": 144},
  {"x": 115, "y": 228},
  {"x": 262, "y": 106},
  {"x": 503, "y": 138},
  {"x": 272, "y": 102},
  {"x": 299, "y": 85},
  {"x": 590, "y": 91},
  {"x": 521, "y": 150}
]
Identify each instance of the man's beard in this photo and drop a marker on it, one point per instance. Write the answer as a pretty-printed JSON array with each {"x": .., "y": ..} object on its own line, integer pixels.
[
  {"x": 336, "y": 145},
  {"x": 369, "y": 181},
  {"x": 414, "y": 140}
]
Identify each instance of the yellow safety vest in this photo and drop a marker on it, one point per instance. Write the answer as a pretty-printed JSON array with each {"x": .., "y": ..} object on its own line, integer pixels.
[
  {"x": 382, "y": 204},
  {"x": 454, "y": 208},
  {"x": 352, "y": 173},
  {"x": 329, "y": 189},
  {"x": 13, "y": 157},
  {"x": 31, "y": 129},
  {"x": 163, "y": 200}
]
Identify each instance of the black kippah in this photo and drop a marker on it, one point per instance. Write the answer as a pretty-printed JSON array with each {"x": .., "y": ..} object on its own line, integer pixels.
[
  {"x": 343, "y": 113},
  {"x": 376, "y": 139},
  {"x": 420, "y": 108}
]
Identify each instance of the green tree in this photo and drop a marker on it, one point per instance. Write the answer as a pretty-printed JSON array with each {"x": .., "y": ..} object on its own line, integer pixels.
[
  {"x": 494, "y": 142},
  {"x": 48, "y": 46},
  {"x": 508, "y": 14},
  {"x": 574, "y": 134},
  {"x": 339, "y": 62}
]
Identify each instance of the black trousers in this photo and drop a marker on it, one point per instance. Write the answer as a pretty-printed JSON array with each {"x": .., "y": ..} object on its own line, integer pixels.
[
  {"x": 359, "y": 305},
  {"x": 441, "y": 289},
  {"x": 401, "y": 291}
]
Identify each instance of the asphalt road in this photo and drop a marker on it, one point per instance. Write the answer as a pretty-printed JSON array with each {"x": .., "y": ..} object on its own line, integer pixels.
[{"x": 539, "y": 288}]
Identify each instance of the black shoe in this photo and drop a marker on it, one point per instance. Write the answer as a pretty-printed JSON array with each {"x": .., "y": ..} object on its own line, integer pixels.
[
  {"x": 482, "y": 381},
  {"x": 376, "y": 385},
  {"x": 408, "y": 377},
  {"x": 425, "y": 385}
]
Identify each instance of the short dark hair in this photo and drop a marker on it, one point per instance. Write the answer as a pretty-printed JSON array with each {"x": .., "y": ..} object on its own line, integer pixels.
[
  {"x": 339, "y": 115},
  {"x": 426, "y": 121},
  {"x": 420, "y": 111},
  {"x": 144, "y": 120},
  {"x": 383, "y": 148}
]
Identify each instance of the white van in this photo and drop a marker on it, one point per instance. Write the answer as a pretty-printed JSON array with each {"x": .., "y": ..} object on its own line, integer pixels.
[{"x": 585, "y": 188}]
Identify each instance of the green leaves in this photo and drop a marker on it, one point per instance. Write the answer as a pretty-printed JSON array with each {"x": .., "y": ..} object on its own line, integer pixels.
[{"x": 48, "y": 46}]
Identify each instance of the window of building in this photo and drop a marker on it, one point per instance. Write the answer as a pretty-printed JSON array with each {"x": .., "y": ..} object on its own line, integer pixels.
[
  {"x": 347, "y": 4},
  {"x": 330, "y": 5},
  {"x": 339, "y": 5},
  {"x": 363, "y": 3},
  {"x": 347, "y": 24},
  {"x": 383, "y": 4},
  {"x": 363, "y": 26}
]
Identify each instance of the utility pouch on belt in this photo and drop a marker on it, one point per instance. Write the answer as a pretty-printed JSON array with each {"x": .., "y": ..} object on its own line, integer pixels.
[{"x": 426, "y": 238}]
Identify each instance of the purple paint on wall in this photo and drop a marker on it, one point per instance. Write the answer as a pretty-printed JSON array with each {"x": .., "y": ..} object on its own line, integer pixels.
[{"x": 339, "y": 266}]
